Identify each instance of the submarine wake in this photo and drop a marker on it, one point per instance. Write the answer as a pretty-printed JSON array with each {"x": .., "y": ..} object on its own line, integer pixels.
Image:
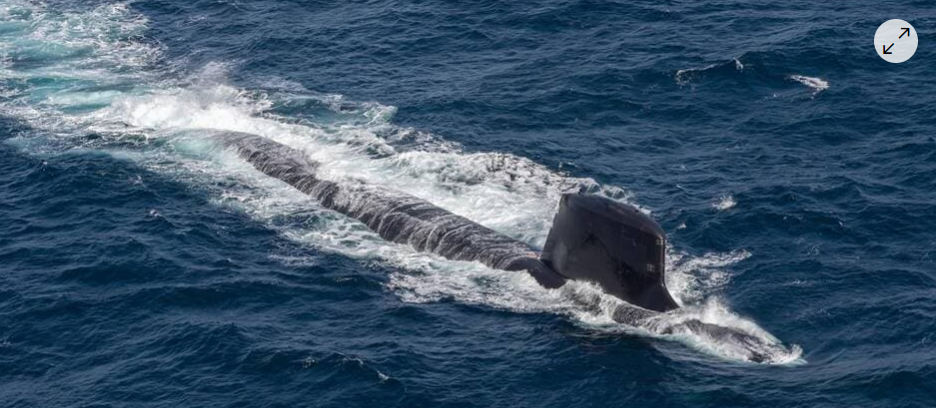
[{"x": 115, "y": 97}]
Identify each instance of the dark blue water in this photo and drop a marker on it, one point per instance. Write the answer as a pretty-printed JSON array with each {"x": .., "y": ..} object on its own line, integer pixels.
[{"x": 794, "y": 170}]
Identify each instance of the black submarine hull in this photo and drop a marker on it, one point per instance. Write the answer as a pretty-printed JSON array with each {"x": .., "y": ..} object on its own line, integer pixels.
[
  {"x": 593, "y": 238},
  {"x": 395, "y": 216}
]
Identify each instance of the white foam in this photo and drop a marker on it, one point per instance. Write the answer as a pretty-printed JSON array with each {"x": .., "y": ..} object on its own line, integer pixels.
[
  {"x": 725, "y": 202},
  {"x": 713, "y": 311},
  {"x": 816, "y": 84},
  {"x": 684, "y": 76},
  {"x": 693, "y": 278}
]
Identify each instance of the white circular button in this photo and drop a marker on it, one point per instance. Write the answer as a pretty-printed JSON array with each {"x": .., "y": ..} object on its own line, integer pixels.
[{"x": 895, "y": 41}]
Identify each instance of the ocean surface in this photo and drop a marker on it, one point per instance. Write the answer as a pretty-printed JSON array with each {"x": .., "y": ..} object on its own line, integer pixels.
[{"x": 793, "y": 169}]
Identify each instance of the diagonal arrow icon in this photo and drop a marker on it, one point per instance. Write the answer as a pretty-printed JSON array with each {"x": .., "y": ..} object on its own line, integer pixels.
[
  {"x": 905, "y": 31},
  {"x": 886, "y": 50}
]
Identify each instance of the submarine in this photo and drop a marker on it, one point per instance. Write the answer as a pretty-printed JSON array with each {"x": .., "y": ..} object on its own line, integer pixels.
[{"x": 593, "y": 239}]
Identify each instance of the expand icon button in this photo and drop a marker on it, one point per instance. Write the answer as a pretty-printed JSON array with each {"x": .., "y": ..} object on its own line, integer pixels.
[{"x": 895, "y": 41}]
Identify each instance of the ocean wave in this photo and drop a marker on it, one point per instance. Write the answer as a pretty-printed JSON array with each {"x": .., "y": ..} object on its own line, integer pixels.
[
  {"x": 688, "y": 75},
  {"x": 725, "y": 202},
  {"x": 816, "y": 84}
]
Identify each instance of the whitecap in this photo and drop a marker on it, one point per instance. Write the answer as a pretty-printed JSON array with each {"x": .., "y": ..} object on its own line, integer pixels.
[
  {"x": 724, "y": 202},
  {"x": 816, "y": 84}
]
